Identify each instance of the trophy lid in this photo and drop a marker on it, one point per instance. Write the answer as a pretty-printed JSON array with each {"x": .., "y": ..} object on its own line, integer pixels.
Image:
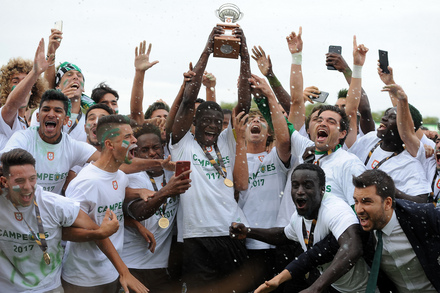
[{"x": 229, "y": 13}]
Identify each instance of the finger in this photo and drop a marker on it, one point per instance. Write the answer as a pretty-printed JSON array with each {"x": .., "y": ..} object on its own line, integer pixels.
[
  {"x": 262, "y": 51},
  {"x": 124, "y": 285},
  {"x": 354, "y": 42},
  {"x": 149, "y": 49},
  {"x": 144, "y": 46},
  {"x": 300, "y": 32},
  {"x": 136, "y": 52},
  {"x": 190, "y": 66}
]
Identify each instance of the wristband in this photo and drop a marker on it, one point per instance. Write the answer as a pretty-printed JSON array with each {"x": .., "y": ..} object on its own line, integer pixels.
[
  {"x": 357, "y": 71},
  {"x": 297, "y": 58},
  {"x": 274, "y": 82}
]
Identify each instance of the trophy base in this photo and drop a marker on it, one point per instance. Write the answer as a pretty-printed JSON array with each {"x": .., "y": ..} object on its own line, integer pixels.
[{"x": 227, "y": 45}]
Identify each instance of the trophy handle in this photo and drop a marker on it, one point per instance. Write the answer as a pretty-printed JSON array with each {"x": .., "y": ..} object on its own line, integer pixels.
[
  {"x": 216, "y": 13},
  {"x": 240, "y": 16}
]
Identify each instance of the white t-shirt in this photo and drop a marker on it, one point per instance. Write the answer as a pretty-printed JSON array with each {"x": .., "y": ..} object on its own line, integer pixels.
[
  {"x": 96, "y": 190},
  {"x": 261, "y": 201},
  {"x": 22, "y": 267},
  {"x": 53, "y": 161},
  {"x": 208, "y": 207},
  {"x": 78, "y": 133},
  {"x": 407, "y": 171},
  {"x": 135, "y": 253},
  {"x": 334, "y": 216}
]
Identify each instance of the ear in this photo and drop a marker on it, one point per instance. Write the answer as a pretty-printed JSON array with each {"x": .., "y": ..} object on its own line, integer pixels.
[
  {"x": 4, "y": 181},
  {"x": 194, "y": 121},
  {"x": 388, "y": 203},
  {"x": 38, "y": 117},
  {"x": 66, "y": 120},
  {"x": 342, "y": 134},
  {"x": 108, "y": 144}
]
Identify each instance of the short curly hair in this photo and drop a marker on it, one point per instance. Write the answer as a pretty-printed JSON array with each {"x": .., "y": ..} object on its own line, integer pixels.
[{"x": 15, "y": 66}]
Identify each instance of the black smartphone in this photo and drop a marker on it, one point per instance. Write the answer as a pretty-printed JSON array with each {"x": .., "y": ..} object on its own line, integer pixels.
[
  {"x": 182, "y": 166},
  {"x": 334, "y": 49},
  {"x": 321, "y": 98},
  {"x": 383, "y": 60}
]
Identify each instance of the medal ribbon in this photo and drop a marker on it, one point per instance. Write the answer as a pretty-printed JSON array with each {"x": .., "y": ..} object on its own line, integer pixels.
[
  {"x": 431, "y": 195},
  {"x": 23, "y": 120},
  {"x": 42, "y": 238},
  {"x": 222, "y": 170},
  {"x": 381, "y": 162},
  {"x": 76, "y": 122},
  {"x": 153, "y": 182},
  {"x": 310, "y": 158},
  {"x": 308, "y": 238}
]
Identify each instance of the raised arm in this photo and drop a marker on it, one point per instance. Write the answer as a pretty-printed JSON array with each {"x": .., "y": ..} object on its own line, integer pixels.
[
  {"x": 178, "y": 100},
  {"x": 54, "y": 43},
  {"x": 141, "y": 63},
  {"x": 19, "y": 96},
  {"x": 241, "y": 171},
  {"x": 297, "y": 114},
  {"x": 387, "y": 79},
  {"x": 209, "y": 81},
  {"x": 185, "y": 113},
  {"x": 244, "y": 88},
  {"x": 282, "y": 137},
  {"x": 405, "y": 124},
  {"x": 366, "y": 123},
  {"x": 265, "y": 66},
  {"x": 355, "y": 90}
]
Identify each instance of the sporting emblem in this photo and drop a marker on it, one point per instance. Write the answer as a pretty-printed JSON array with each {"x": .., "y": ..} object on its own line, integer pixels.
[
  {"x": 18, "y": 216},
  {"x": 261, "y": 158},
  {"x": 50, "y": 156},
  {"x": 115, "y": 184}
]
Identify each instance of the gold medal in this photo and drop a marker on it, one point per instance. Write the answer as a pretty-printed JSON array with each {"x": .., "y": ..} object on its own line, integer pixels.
[
  {"x": 46, "y": 258},
  {"x": 228, "y": 182},
  {"x": 164, "y": 223}
]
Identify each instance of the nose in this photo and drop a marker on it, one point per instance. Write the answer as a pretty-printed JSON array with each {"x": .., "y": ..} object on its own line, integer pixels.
[{"x": 27, "y": 186}]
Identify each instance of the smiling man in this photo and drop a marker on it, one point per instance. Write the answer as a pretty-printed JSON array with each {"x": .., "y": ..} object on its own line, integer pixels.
[
  {"x": 55, "y": 152},
  {"x": 409, "y": 233},
  {"x": 317, "y": 215},
  {"x": 208, "y": 207},
  {"x": 27, "y": 265},
  {"x": 98, "y": 187}
]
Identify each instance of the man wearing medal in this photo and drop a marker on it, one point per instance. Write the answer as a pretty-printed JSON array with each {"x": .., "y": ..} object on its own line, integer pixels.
[
  {"x": 208, "y": 207},
  {"x": 32, "y": 221},
  {"x": 158, "y": 214}
]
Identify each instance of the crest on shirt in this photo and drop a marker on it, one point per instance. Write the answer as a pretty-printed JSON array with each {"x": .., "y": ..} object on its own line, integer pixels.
[
  {"x": 209, "y": 149},
  {"x": 261, "y": 158},
  {"x": 438, "y": 184},
  {"x": 115, "y": 184},
  {"x": 373, "y": 165},
  {"x": 69, "y": 124},
  {"x": 50, "y": 156},
  {"x": 18, "y": 216}
]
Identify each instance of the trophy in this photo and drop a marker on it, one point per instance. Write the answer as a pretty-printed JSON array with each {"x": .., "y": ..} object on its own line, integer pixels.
[{"x": 227, "y": 45}]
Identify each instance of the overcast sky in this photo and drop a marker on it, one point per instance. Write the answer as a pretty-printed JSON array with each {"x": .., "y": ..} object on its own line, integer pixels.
[{"x": 100, "y": 37}]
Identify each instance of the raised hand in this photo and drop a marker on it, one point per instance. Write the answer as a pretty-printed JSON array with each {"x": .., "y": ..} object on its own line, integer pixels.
[
  {"x": 209, "y": 80},
  {"x": 337, "y": 61},
  {"x": 54, "y": 41},
  {"x": 359, "y": 53},
  {"x": 40, "y": 62},
  {"x": 264, "y": 63},
  {"x": 395, "y": 92},
  {"x": 240, "y": 125},
  {"x": 311, "y": 92},
  {"x": 238, "y": 33},
  {"x": 142, "y": 60},
  {"x": 216, "y": 32},
  {"x": 387, "y": 78},
  {"x": 294, "y": 41},
  {"x": 259, "y": 84}
]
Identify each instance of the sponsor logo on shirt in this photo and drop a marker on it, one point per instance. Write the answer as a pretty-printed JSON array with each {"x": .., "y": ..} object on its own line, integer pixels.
[
  {"x": 115, "y": 184},
  {"x": 373, "y": 165},
  {"x": 18, "y": 216},
  {"x": 50, "y": 156}
]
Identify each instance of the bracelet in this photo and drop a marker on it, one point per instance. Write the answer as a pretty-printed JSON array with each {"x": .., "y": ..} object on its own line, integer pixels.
[
  {"x": 357, "y": 71},
  {"x": 274, "y": 82},
  {"x": 297, "y": 58}
]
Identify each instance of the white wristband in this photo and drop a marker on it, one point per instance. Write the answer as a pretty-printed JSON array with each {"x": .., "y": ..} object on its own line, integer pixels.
[
  {"x": 357, "y": 71},
  {"x": 297, "y": 58}
]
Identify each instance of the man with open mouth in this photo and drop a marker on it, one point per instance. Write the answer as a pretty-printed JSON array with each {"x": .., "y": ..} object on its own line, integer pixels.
[
  {"x": 97, "y": 187},
  {"x": 317, "y": 215},
  {"x": 55, "y": 151}
]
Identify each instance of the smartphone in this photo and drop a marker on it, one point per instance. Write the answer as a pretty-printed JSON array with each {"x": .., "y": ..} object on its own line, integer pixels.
[
  {"x": 321, "y": 98},
  {"x": 182, "y": 166},
  {"x": 58, "y": 26},
  {"x": 334, "y": 49},
  {"x": 383, "y": 60}
]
